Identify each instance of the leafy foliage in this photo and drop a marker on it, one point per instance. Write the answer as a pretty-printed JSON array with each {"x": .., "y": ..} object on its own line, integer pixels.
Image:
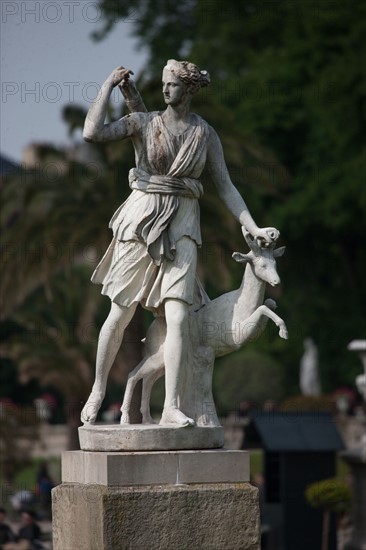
[
  {"x": 19, "y": 429},
  {"x": 329, "y": 494},
  {"x": 290, "y": 73},
  {"x": 247, "y": 376},
  {"x": 55, "y": 219}
]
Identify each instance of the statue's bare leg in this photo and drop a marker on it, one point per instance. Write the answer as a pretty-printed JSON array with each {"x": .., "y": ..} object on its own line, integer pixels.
[
  {"x": 175, "y": 359},
  {"x": 109, "y": 342}
]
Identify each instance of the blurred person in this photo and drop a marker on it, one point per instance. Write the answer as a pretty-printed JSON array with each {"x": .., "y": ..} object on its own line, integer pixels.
[
  {"x": 6, "y": 534},
  {"x": 269, "y": 405},
  {"x": 244, "y": 409},
  {"x": 44, "y": 486},
  {"x": 30, "y": 533},
  {"x": 20, "y": 499}
]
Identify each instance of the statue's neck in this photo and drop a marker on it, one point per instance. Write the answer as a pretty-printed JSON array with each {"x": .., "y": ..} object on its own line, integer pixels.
[{"x": 178, "y": 113}]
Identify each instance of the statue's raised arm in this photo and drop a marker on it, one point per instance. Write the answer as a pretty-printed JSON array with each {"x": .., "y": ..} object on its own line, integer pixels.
[
  {"x": 95, "y": 129},
  {"x": 131, "y": 94}
]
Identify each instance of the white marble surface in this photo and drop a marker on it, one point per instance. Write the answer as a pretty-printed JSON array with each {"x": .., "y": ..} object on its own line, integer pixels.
[
  {"x": 155, "y": 468},
  {"x": 148, "y": 437}
]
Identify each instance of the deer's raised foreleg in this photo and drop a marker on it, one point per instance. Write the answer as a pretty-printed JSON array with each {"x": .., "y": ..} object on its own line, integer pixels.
[
  {"x": 254, "y": 325},
  {"x": 266, "y": 311}
]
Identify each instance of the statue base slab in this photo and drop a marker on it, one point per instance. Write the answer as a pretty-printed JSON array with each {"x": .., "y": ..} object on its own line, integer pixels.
[
  {"x": 155, "y": 500},
  {"x": 159, "y": 467},
  {"x": 148, "y": 437}
]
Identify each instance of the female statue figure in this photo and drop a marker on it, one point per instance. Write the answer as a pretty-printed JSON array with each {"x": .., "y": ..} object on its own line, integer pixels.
[{"x": 153, "y": 254}]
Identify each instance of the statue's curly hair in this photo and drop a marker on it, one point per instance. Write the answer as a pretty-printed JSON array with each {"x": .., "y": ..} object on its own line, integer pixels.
[{"x": 189, "y": 73}]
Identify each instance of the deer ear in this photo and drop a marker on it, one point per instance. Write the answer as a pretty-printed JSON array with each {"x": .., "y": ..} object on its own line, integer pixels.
[
  {"x": 279, "y": 252},
  {"x": 241, "y": 258}
]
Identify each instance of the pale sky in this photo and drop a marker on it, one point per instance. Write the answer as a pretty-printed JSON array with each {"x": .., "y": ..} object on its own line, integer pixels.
[{"x": 48, "y": 59}]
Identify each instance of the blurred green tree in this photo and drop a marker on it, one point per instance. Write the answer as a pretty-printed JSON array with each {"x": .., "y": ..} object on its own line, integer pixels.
[
  {"x": 291, "y": 74},
  {"x": 55, "y": 214}
]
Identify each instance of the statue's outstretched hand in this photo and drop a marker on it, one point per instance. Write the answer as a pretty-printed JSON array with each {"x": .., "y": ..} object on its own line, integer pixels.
[
  {"x": 267, "y": 234},
  {"x": 121, "y": 76}
]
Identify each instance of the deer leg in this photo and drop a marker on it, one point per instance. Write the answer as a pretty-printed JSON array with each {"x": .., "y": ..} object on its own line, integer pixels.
[
  {"x": 151, "y": 362},
  {"x": 134, "y": 376},
  {"x": 264, "y": 310},
  {"x": 147, "y": 386},
  {"x": 254, "y": 325}
]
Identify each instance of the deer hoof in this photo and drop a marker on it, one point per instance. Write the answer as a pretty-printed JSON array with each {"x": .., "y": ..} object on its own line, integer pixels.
[
  {"x": 148, "y": 419},
  {"x": 125, "y": 418},
  {"x": 284, "y": 333}
]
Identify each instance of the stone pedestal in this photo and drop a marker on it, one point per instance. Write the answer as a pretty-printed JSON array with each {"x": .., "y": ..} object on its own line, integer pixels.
[
  {"x": 159, "y": 500},
  {"x": 356, "y": 459}
]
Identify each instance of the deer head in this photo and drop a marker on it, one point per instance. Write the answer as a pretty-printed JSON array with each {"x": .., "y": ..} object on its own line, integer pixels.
[{"x": 262, "y": 259}]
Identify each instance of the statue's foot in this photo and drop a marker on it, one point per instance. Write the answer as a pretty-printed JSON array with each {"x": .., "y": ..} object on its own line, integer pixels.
[
  {"x": 172, "y": 415},
  {"x": 91, "y": 408}
]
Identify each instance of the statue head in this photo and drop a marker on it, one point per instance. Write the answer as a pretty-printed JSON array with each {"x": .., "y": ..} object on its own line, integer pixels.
[{"x": 189, "y": 74}]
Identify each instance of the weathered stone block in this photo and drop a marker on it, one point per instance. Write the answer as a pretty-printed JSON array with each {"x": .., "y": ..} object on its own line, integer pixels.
[
  {"x": 212, "y": 516},
  {"x": 163, "y": 500}
]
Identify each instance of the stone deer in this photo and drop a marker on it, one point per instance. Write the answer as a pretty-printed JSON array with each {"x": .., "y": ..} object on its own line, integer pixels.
[{"x": 219, "y": 327}]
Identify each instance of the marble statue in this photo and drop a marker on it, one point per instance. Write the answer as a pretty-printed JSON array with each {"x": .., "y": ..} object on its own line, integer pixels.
[
  {"x": 309, "y": 374},
  {"x": 360, "y": 347},
  {"x": 153, "y": 254}
]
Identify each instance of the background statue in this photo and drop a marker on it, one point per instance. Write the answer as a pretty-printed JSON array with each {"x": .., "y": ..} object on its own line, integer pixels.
[
  {"x": 360, "y": 347},
  {"x": 309, "y": 374},
  {"x": 153, "y": 254}
]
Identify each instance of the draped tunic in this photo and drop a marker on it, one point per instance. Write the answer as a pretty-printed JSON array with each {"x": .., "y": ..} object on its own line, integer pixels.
[{"x": 156, "y": 231}]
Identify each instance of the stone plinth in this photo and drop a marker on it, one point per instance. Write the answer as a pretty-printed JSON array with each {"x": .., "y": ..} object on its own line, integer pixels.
[
  {"x": 155, "y": 501},
  {"x": 148, "y": 437},
  {"x": 158, "y": 468},
  {"x": 188, "y": 517},
  {"x": 356, "y": 459}
]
